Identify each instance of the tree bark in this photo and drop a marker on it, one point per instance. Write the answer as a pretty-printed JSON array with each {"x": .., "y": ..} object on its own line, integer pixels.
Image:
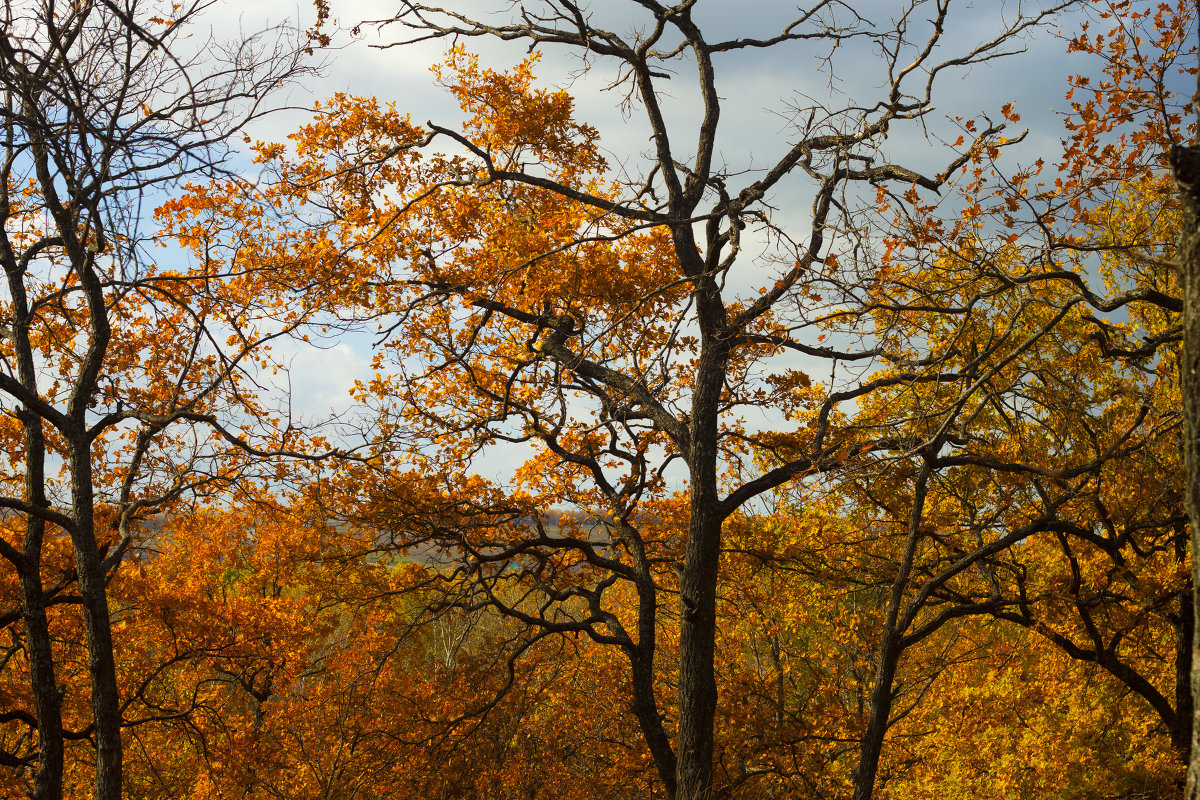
[
  {"x": 890, "y": 650},
  {"x": 106, "y": 707},
  {"x": 641, "y": 660},
  {"x": 1185, "y": 163},
  {"x": 47, "y": 695},
  {"x": 698, "y": 587},
  {"x": 47, "y": 699},
  {"x": 1181, "y": 730}
]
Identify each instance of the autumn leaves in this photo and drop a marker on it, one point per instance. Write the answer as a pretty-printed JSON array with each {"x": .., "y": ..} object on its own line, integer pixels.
[{"x": 953, "y": 566}]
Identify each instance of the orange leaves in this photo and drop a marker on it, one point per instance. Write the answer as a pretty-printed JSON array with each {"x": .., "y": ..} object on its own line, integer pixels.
[
  {"x": 517, "y": 306},
  {"x": 1121, "y": 125},
  {"x": 376, "y": 217},
  {"x": 247, "y": 643},
  {"x": 1136, "y": 97},
  {"x": 517, "y": 123}
]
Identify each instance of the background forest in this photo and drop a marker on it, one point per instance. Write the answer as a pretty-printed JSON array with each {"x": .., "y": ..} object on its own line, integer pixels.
[{"x": 849, "y": 467}]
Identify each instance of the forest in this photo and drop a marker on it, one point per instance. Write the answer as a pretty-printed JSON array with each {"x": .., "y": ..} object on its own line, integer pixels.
[{"x": 850, "y": 467}]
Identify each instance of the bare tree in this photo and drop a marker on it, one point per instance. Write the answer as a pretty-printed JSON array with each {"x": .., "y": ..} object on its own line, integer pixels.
[{"x": 115, "y": 372}]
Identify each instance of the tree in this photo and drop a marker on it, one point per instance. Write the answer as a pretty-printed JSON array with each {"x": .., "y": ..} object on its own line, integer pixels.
[
  {"x": 529, "y": 293},
  {"x": 1056, "y": 415},
  {"x": 122, "y": 376}
]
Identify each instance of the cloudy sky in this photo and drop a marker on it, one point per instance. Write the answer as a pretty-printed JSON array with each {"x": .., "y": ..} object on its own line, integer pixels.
[
  {"x": 758, "y": 89},
  {"x": 755, "y": 85}
]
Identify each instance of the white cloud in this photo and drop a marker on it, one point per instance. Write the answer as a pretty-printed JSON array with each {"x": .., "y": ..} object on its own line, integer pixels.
[{"x": 320, "y": 378}]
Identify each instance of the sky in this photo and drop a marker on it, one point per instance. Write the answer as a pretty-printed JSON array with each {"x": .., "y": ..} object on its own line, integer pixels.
[
  {"x": 758, "y": 88},
  {"x": 754, "y": 84}
]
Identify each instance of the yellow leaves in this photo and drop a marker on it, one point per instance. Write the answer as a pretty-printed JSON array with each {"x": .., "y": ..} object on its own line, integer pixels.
[{"x": 1032, "y": 724}]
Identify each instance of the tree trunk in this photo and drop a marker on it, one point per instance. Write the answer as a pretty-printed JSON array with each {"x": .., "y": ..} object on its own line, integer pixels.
[
  {"x": 1181, "y": 730},
  {"x": 97, "y": 622},
  {"x": 1185, "y": 162},
  {"x": 698, "y": 586},
  {"x": 697, "y": 646},
  {"x": 890, "y": 649},
  {"x": 880, "y": 715},
  {"x": 47, "y": 696},
  {"x": 47, "y": 700},
  {"x": 641, "y": 659}
]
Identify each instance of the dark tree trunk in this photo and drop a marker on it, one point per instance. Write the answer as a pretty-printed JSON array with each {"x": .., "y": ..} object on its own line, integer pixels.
[
  {"x": 1185, "y": 161},
  {"x": 88, "y": 558},
  {"x": 641, "y": 659},
  {"x": 47, "y": 696},
  {"x": 890, "y": 649},
  {"x": 47, "y": 700},
  {"x": 645, "y": 709},
  {"x": 101, "y": 663},
  {"x": 1181, "y": 730},
  {"x": 698, "y": 587}
]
